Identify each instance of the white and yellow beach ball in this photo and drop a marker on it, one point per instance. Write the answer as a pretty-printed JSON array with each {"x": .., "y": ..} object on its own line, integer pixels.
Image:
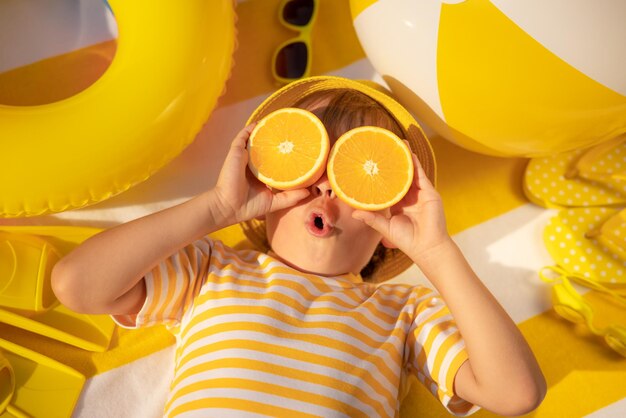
[{"x": 503, "y": 77}]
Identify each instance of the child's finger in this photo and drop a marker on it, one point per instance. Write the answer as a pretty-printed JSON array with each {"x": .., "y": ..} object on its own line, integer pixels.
[
  {"x": 237, "y": 157},
  {"x": 420, "y": 175},
  {"x": 288, "y": 198},
  {"x": 374, "y": 220},
  {"x": 242, "y": 136},
  {"x": 253, "y": 180}
]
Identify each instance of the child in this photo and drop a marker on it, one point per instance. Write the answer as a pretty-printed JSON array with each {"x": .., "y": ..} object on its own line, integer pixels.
[{"x": 302, "y": 330}]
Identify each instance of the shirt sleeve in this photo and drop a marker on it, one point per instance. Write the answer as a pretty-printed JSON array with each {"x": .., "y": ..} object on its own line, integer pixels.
[
  {"x": 171, "y": 287},
  {"x": 435, "y": 352}
]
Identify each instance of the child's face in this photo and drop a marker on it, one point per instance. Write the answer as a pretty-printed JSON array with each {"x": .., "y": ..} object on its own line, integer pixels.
[{"x": 319, "y": 235}]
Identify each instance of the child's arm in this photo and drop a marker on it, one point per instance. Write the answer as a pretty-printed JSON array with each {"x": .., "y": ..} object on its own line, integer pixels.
[
  {"x": 104, "y": 274},
  {"x": 502, "y": 374}
]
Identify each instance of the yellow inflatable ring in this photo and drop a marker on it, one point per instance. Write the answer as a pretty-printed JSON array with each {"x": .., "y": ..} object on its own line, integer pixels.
[{"x": 172, "y": 61}]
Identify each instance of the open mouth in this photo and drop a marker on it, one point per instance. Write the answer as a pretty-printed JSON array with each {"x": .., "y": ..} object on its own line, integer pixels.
[{"x": 319, "y": 225}]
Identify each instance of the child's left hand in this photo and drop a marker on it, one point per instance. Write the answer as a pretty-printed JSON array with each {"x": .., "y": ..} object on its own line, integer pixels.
[{"x": 417, "y": 223}]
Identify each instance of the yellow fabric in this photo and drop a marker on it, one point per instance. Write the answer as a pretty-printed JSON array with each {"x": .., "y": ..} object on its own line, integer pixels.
[{"x": 474, "y": 187}]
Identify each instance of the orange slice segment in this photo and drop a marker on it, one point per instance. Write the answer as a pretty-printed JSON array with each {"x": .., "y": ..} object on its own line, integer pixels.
[
  {"x": 370, "y": 168},
  {"x": 288, "y": 149}
]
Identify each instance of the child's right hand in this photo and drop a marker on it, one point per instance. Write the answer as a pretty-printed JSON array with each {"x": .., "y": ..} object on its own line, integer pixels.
[{"x": 239, "y": 195}]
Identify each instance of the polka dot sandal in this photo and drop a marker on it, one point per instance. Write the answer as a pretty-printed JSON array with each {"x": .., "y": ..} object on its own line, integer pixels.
[
  {"x": 590, "y": 177},
  {"x": 589, "y": 242}
]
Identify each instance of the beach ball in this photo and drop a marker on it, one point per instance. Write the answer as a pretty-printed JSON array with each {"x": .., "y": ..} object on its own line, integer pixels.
[{"x": 505, "y": 78}]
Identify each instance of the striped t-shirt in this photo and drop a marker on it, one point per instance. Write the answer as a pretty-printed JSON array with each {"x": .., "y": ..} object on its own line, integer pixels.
[{"x": 256, "y": 337}]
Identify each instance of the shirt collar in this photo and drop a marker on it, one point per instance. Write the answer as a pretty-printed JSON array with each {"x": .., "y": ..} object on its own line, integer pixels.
[{"x": 349, "y": 277}]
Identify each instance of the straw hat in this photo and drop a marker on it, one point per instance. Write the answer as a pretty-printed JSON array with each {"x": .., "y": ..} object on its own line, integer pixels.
[{"x": 395, "y": 261}]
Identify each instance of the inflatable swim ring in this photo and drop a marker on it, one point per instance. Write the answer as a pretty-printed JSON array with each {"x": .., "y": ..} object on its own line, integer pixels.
[{"x": 172, "y": 62}]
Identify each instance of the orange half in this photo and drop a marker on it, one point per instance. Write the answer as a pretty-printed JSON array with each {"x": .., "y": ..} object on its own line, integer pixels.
[
  {"x": 288, "y": 149},
  {"x": 370, "y": 168}
]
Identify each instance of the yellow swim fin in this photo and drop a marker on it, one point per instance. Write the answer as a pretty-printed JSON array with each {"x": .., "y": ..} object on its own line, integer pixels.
[
  {"x": 89, "y": 332},
  {"x": 25, "y": 265},
  {"x": 33, "y": 385}
]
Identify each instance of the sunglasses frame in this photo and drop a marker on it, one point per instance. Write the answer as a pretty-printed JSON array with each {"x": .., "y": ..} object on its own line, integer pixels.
[
  {"x": 304, "y": 36},
  {"x": 570, "y": 305}
]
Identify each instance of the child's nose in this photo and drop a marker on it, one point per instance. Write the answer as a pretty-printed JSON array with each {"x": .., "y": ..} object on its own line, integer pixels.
[{"x": 322, "y": 187}]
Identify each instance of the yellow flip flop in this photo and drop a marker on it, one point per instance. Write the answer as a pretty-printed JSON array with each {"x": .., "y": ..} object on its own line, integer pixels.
[
  {"x": 583, "y": 242},
  {"x": 89, "y": 332},
  {"x": 590, "y": 177},
  {"x": 33, "y": 385},
  {"x": 25, "y": 265}
]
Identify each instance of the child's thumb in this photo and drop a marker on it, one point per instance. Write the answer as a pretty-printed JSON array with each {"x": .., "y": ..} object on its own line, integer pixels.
[
  {"x": 374, "y": 220},
  {"x": 288, "y": 198}
]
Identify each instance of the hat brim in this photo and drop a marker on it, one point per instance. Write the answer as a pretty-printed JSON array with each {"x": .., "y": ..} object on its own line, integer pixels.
[
  {"x": 297, "y": 90},
  {"x": 395, "y": 261}
]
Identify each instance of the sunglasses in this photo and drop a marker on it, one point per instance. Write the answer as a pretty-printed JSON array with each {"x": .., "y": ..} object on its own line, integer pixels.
[
  {"x": 569, "y": 304},
  {"x": 292, "y": 59}
]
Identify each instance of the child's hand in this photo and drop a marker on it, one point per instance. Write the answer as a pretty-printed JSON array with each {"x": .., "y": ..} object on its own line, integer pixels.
[
  {"x": 240, "y": 196},
  {"x": 417, "y": 222}
]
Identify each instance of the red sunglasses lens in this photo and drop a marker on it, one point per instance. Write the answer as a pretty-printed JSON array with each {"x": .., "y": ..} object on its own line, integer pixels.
[
  {"x": 298, "y": 12},
  {"x": 291, "y": 60}
]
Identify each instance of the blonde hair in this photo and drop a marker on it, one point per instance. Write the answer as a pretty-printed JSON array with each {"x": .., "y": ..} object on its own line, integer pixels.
[{"x": 344, "y": 109}]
